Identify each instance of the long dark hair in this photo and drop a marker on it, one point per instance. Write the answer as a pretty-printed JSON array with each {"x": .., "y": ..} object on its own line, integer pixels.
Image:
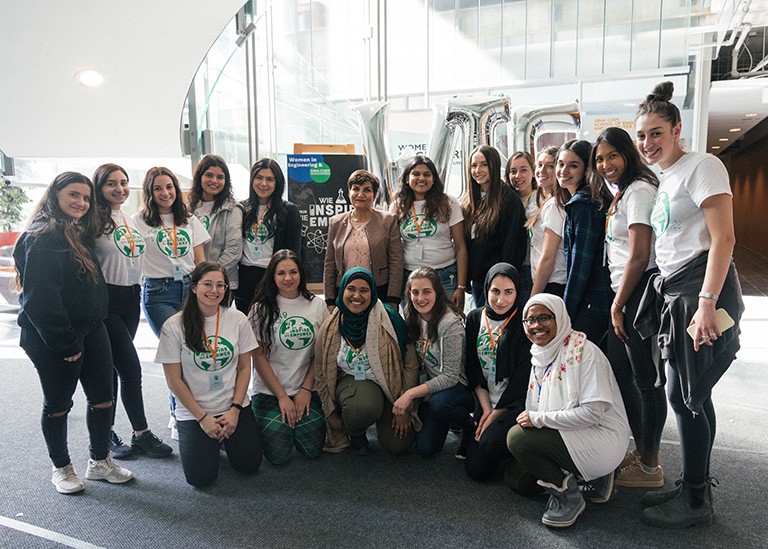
[
  {"x": 150, "y": 213},
  {"x": 196, "y": 193},
  {"x": 436, "y": 205},
  {"x": 192, "y": 319},
  {"x": 276, "y": 214},
  {"x": 582, "y": 149},
  {"x": 80, "y": 234},
  {"x": 484, "y": 213},
  {"x": 103, "y": 207},
  {"x": 442, "y": 304},
  {"x": 634, "y": 170},
  {"x": 264, "y": 308},
  {"x": 658, "y": 102}
]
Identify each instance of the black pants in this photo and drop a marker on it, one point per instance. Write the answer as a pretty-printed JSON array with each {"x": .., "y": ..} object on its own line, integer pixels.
[
  {"x": 59, "y": 379},
  {"x": 485, "y": 455},
  {"x": 122, "y": 323},
  {"x": 249, "y": 278},
  {"x": 200, "y": 453}
]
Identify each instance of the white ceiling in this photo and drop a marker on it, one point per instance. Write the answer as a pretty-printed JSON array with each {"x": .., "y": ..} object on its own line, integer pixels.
[
  {"x": 148, "y": 50},
  {"x": 729, "y": 103}
]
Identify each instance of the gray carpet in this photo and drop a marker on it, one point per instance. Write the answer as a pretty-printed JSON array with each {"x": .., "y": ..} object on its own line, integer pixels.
[{"x": 350, "y": 501}]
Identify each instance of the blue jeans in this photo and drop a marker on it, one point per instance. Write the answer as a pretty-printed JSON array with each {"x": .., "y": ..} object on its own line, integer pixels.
[
  {"x": 449, "y": 277},
  {"x": 445, "y": 409},
  {"x": 161, "y": 298}
]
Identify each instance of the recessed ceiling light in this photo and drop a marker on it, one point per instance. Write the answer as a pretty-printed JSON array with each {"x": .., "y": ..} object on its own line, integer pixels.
[
  {"x": 90, "y": 77},
  {"x": 735, "y": 130},
  {"x": 723, "y": 139},
  {"x": 715, "y": 147},
  {"x": 750, "y": 115}
]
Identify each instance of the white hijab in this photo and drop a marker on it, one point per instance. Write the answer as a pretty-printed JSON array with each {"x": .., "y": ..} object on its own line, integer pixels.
[{"x": 544, "y": 355}]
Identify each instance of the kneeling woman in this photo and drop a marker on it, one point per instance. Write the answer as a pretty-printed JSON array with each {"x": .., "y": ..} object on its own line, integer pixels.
[
  {"x": 435, "y": 325},
  {"x": 205, "y": 350},
  {"x": 574, "y": 423},
  {"x": 362, "y": 366},
  {"x": 285, "y": 317},
  {"x": 498, "y": 366}
]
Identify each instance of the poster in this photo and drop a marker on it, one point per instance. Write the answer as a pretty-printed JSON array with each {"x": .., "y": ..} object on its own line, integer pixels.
[{"x": 317, "y": 184}]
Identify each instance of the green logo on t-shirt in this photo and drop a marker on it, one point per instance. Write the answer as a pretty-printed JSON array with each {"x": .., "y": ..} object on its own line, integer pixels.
[
  {"x": 352, "y": 358},
  {"x": 225, "y": 351},
  {"x": 122, "y": 239},
  {"x": 261, "y": 236},
  {"x": 427, "y": 360},
  {"x": 165, "y": 242},
  {"x": 427, "y": 227},
  {"x": 205, "y": 220},
  {"x": 660, "y": 213},
  {"x": 296, "y": 332},
  {"x": 485, "y": 351}
]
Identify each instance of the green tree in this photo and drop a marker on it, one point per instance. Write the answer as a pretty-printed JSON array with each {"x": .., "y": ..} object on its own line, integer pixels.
[{"x": 12, "y": 200}]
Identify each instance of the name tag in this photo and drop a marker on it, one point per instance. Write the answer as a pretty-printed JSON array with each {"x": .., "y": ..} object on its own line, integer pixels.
[
  {"x": 418, "y": 251},
  {"x": 359, "y": 369},
  {"x": 217, "y": 382},
  {"x": 256, "y": 251},
  {"x": 178, "y": 276},
  {"x": 492, "y": 374}
]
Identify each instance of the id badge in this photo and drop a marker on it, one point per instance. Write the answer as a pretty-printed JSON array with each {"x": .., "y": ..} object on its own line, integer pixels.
[
  {"x": 359, "y": 369},
  {"x": 418, "y": 251},
  {"x": 178, "y": 276},
  {"x": 255, "y": 251},
  {"x": 492, "y": 374},
  {"x": 217, "y": 382},
  {"x": 134, "y": 273}
]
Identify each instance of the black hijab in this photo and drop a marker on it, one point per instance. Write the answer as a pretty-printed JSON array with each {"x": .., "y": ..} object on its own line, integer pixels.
[{"x": 513, "y": 335}]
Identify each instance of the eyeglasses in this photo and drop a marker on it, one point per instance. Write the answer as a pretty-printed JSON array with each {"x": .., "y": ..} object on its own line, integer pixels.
[
  {"x": 542, "y": 320},
  {"x": 210, "y": 285}
]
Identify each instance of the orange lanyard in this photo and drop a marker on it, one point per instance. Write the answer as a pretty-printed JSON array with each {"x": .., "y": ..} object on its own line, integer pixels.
[
  {"x": 424, "y": 345},
  {"x": 129, "y": 235},
  {"x": 490, "y": 333},
  {"x": 416, "y": 221},
  {"x": 258, "y": 222},
  {"x": 215, "y": 337},
  {"x": 171, "y": 236},
  {"x": 611, "y": 210}
]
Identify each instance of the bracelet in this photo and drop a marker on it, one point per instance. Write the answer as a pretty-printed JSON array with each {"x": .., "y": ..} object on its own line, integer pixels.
[
  {"x": 707, "y": 295},
  {"x": 461, "y": 287},
  {"x": 307, "y": 390},
  {"x": 236, "y": 405},
  {"x": 205, "y": 415}
]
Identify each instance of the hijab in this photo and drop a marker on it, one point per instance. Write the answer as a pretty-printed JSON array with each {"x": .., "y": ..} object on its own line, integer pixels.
[
  {"x": 353, "y": 326},
  {"x": 513, "y": 335},
  {"x": 541, "y": 356}
]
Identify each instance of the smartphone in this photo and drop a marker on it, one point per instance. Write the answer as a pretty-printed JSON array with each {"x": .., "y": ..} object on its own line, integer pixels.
[{"x": 724, "y": 321}]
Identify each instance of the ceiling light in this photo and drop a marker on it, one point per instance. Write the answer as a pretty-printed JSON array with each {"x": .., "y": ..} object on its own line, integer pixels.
[
  {"x": 750, "y": 115},
  {"x": 715, "y": 147},
  {"x": 723, "y": 139},
  {"x": 90, "y": 77},
  {"x": 734, "y": 130}
]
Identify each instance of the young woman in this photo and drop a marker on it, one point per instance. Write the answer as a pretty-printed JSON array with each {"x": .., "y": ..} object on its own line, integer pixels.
[
  {"x": 431, "y": 227},
  {"x": 269, "y": 224},
  {"x": 692, "y": 219},
  {"x": 212, "y": 202},
  {"x": 498, "y": 364},
  {"x": 63, "y": 304},
  {"x": 495, "y": 219},
  {"x": 285, "y": 318},
  {"x": 588, "y": 293},
  {"x": 205, "y": 350},
  {"x": 364, "y": 237},
  {"x": 519, "y": 173},
  {"x": 119, "y": 248},
  {"x": 175, "y": 244},
  {"x": 435, "y": 327},
  {"x": 545, "y": 230},
  {"x": 363, "y": 364},
  {"x": 574, "y": 422},
  {"x": 629, "y": 242}
]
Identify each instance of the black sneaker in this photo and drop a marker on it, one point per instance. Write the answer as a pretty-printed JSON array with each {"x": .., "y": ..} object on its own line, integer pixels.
[
  {"x": 600, "y": 490},
  {"x": 360, "y": 444},
  {"x": 119, "y": 449},
  {"x": 148, "y": 443},
  {"x": 461, "y": 451}
]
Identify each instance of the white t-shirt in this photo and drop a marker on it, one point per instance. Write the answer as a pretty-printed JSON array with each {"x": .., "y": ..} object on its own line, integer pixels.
[
  {"x": 258, "y": 244},
  {"x": 348, "y": 360},
  {"x": 429, "y": 244},
  {"x": 293, "y": 342},
  {"x": 634, "y": 207},
  {"x": 530, "y": 203},
  {"x": 552, "y": 218},
  {"x": 161, "y": 257},
  {"x": 120, "y": 252},
  {"x": 203, "y": 213},
  {"x": 677, "y": 219},
  {"x": 212, "y": 383},
  {"x": 486, "y": 354}
]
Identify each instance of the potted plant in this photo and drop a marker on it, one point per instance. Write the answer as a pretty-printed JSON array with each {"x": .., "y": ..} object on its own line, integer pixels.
[{"x": 12, "y": 200}]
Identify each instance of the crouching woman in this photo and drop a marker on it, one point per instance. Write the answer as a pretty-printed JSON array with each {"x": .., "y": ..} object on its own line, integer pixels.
[{"x": 574, "y": 424}]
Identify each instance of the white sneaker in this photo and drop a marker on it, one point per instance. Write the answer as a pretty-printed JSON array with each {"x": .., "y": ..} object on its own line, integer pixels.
[
  {"x": 105, "y": 469},
  {"x": 66, "y": 480}
]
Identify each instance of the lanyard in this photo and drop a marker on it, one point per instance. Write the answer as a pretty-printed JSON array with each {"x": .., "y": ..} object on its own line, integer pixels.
[
  {"x": 527, "y": 199},
  {"x": 611, "y": 210},
  {"x": 258, "y": 221},
  {"x": 546, "y": 371},
  {"x": 490, "y": 333},
  {"x": 215, "y": 337},
  {"x": 172, "y": 237},
  {"x": 129, "y": 234},
  {"x": 416, "y": 222}
]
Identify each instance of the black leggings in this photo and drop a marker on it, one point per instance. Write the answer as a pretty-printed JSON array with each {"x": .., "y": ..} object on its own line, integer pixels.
[
  {"x": 484, "y": 456},
  {"x": 248, "y": 278}
]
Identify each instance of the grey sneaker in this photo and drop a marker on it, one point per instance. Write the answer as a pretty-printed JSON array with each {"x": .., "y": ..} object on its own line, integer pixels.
[
  {"x": 119, "y": 449},
  {"x": 105, "y": 469},
  {"x": 565, "y": 503},
  {"x": 600, "y": 490},
  {"x": 66, "y": 480}
]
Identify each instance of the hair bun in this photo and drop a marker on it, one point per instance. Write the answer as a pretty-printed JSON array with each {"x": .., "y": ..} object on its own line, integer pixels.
[{"x": 661, "y": 92}]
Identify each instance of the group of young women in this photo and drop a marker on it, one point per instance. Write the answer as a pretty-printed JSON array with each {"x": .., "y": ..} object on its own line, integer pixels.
[{"x": 613, "y": 260}]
